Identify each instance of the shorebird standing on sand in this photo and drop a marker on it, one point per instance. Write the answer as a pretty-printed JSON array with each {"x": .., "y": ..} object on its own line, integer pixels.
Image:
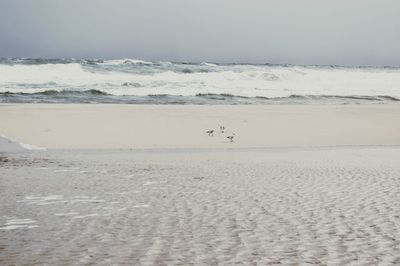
[
  {"x": 210, "y": 132},
  {"x": 222, "y": 129},
  {"x": 230, "y": 137}
]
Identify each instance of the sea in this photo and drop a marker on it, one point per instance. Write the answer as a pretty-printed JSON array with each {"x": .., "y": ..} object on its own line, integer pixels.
[{"x": 129, "y": 81}]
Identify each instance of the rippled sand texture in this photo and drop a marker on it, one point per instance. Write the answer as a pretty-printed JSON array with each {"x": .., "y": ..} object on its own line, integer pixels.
[{"x": 319, "y": 206}]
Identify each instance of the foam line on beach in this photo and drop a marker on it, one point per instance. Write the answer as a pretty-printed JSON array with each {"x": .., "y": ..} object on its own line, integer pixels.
[{"x": 13, "y": 144}]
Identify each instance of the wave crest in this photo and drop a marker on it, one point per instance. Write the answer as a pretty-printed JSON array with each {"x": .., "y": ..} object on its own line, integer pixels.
[
  {"x": 98, "y": 96},
  {"x": 63, "y": 78}
]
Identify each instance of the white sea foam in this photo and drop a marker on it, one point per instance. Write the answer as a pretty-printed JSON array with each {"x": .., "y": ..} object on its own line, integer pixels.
[
  {"x": 125, "y": 61},
  {"x": 31, "y": 147},
  {"x": 24, "y": 145},
  {"x": 140, "y": 78}
]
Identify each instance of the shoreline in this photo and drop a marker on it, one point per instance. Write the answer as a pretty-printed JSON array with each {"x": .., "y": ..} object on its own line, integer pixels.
[{"x": 108, "y": 126}]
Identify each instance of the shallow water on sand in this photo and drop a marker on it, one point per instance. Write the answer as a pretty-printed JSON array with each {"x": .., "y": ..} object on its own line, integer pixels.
[{"x": 322, "y": 206}]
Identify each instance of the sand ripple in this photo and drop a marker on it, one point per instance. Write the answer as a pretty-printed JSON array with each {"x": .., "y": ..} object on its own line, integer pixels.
[{"x": 266, "y": 207}]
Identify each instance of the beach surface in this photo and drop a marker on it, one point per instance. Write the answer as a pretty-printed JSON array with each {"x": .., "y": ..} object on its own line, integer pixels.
[
  {"x": 268, "y": 207},
  {"x": 145, "y": 185},
  {"x": 70, "y": 126}
]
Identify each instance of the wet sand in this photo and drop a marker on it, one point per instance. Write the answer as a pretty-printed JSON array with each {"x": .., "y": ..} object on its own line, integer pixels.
[
  {"x": 324, "y": 194},
  {"x": 70, "y": 126}
]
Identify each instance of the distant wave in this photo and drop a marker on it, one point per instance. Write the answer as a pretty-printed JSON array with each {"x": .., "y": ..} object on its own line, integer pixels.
[
  {"x": 55, "y": 93},
  {"x": 97, "y": 96},
  {"x": 307, "y": 97},
  {"x": 43, "y": 61},
  {"x": 129, "y": 61}
]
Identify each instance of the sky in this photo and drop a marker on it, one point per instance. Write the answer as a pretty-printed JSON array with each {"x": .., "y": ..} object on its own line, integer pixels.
[{"x": 340, "y": 32}]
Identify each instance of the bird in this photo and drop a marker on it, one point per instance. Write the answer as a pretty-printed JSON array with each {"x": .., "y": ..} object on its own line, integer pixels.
[
  {"x": 230, "y": 137},
  {"x": 222, "y": 129},
  {"x": 210, "y": 132}
]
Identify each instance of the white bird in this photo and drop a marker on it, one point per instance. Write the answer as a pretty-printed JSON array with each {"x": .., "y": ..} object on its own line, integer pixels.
[
  {"x": 222, "y": 129},
  {"x": 210, "y": 132}
]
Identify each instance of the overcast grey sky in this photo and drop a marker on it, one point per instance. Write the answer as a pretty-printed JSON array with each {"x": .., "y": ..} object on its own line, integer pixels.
[{"x": 344, "y": 32}]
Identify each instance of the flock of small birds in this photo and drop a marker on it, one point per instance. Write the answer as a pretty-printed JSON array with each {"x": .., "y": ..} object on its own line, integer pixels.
[{"x": 221, "y": 131}]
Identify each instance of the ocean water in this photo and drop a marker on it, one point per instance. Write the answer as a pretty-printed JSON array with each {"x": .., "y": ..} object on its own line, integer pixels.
[{"x": 139, "y": 82}]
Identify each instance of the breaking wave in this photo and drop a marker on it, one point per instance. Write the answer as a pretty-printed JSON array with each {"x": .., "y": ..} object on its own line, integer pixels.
[
  {"x": 96, "y": 96},
  {"x": 138, "y": 81}
]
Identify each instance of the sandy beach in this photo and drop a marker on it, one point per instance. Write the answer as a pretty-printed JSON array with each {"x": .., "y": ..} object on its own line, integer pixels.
[
  {"x": 145, "y": 185},
  {"x": 70, "y": 126},
  {"x": 199, "y": 133}
]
